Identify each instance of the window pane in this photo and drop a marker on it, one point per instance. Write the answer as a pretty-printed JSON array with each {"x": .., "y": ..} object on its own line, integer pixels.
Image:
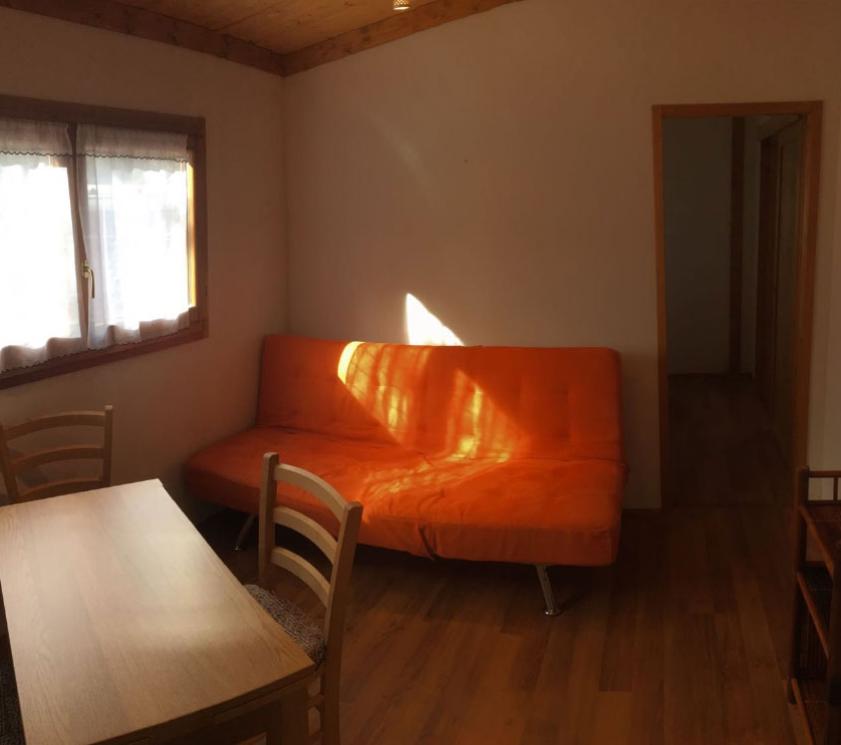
[
  {"x": 38, "y": 291},
  {"x": 136, "y": 236}
]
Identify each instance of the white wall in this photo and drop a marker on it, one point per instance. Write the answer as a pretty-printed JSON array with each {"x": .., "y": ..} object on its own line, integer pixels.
[
  {"x": 170, "y": 403},
  {"x": 500, "y": 168},
  {"x": 697, "y": 171}
]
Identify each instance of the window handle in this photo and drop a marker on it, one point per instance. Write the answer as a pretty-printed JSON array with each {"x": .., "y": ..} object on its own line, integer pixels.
[{"x": 90, "y": 275}]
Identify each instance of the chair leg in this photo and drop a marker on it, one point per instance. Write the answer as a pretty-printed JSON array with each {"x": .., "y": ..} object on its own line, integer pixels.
[
  {"x": 552, "y": 608},
  {"x": 242, "y": 536},
  {"x": 330, "y": 721},
  {"x": 329, "y": 709}
]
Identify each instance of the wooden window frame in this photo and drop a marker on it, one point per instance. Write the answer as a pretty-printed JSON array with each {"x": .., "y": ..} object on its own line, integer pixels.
[{"x": 194, "y": 127}]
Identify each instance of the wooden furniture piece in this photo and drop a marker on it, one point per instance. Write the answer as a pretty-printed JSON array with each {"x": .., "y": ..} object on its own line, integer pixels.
[
  {"x": 504, "y": 454},
  {"x": 815, "y": 663},
  {"x": 13, "y": 465},
  {"x": 125, "y": 627},
  {"x": 326, "y": 647}
]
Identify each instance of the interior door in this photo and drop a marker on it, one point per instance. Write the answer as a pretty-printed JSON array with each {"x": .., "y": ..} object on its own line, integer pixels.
[
  {"x": 781, "y": 172},
  {"x": 766, "y": 278}
]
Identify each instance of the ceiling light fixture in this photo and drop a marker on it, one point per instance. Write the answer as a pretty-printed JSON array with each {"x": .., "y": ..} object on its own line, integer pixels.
[{"x": 401, "y": 4}]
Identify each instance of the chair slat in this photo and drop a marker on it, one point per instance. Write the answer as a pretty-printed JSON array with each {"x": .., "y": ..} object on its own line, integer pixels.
[
  {"x": 308, "y": 528},
  {"x": 57, "y": 488},
  {"x": 13, "y": 463},
  {"x": 71, "y": 419},
  {"x": 304, "y": 571},
  {"x": 313, "y": 484},
  {"x": 73, "y": 452}
]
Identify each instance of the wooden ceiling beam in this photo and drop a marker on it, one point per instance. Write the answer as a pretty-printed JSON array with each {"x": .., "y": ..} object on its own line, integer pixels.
[
  {"x": 394, "y": 27},
  {"x": 146, "y": 24}
]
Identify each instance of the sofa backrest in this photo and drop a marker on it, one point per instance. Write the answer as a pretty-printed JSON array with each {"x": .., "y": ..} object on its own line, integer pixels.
[{"x": 450, "y": 402}]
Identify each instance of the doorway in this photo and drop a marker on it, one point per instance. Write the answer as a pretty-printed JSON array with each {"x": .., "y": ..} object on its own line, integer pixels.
[{"x": 736, "y": 190}]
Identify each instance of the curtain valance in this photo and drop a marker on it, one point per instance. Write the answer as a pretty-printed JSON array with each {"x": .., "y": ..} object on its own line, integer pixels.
[
  {"x": 116, "y": 142},
  {"x": 26, "y": 137}
]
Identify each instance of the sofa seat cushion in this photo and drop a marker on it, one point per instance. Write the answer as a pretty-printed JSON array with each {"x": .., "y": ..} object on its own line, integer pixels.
[
  {"x": 228, "y": 472},
  {"x": 527, "y": 510}
]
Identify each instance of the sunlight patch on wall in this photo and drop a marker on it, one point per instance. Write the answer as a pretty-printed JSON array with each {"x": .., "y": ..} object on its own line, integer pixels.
[{"x": 425, "y": 328}]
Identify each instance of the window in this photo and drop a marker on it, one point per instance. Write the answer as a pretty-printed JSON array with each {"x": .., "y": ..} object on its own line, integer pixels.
[{"x": 101, "y": 235}]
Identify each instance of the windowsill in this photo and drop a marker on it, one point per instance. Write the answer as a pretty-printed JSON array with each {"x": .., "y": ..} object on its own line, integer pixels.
[{"x": 90, "y": 358}]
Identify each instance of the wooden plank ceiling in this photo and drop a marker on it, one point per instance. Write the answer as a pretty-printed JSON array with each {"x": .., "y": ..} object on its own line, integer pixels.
[{"x": 280, "y": 36}]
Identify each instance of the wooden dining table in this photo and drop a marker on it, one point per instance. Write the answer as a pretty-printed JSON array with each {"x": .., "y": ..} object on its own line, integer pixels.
[{"x": 125, "y": 627}]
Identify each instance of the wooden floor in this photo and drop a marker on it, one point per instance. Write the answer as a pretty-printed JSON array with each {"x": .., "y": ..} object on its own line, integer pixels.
[
  {"x": 682, "y": 642},
  {"x": 722, "y": 448}
]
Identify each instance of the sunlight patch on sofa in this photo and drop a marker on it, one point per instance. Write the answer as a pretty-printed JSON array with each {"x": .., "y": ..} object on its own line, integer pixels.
[
  {"x": 385, "y": 380},
  {"x": 346, "y": 358},
  {"x": 460, "y": 436}
]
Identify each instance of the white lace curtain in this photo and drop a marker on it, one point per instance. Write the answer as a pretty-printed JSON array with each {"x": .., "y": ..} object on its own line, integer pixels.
[
  {"x": 39, "y": 292},
  {"x": 133, "y": 203},
  {"x": 132, "y": 189}
]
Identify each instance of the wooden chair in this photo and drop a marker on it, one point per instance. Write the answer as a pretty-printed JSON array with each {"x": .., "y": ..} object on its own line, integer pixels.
[
  {"x": 322, "y": 644},
  {"x": 13, "y": 464}
]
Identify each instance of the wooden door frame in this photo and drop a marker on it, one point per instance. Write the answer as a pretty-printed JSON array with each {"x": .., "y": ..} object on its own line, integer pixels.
[
  {"x": 737, "y": 230},
  {"x": 812, "y": 113}
]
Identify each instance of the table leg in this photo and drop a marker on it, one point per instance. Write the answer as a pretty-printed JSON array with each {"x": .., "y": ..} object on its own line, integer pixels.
[{"x": 291, "y": 726}]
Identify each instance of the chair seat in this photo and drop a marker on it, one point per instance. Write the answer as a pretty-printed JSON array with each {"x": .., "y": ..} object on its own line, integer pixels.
[
  {"x": 11, "y": 727},
  {"x": 294, "y": 621}
]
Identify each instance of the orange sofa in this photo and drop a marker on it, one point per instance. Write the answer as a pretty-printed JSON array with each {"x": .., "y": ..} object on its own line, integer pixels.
[{"x": 480, "y": 453}]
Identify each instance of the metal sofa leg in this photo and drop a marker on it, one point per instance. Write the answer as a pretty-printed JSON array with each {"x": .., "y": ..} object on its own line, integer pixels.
[
  {"x": 552, "y": 608},
  {"x": 242, "y": 536}
]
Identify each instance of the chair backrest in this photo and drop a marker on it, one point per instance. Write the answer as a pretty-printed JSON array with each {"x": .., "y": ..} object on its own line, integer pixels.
[
  {"x": 13, "y": 464},
  {"x": 332, "y": 593}
]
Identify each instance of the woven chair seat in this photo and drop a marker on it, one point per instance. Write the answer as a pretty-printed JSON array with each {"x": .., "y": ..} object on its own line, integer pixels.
[{"x": 294, "y": 621}]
